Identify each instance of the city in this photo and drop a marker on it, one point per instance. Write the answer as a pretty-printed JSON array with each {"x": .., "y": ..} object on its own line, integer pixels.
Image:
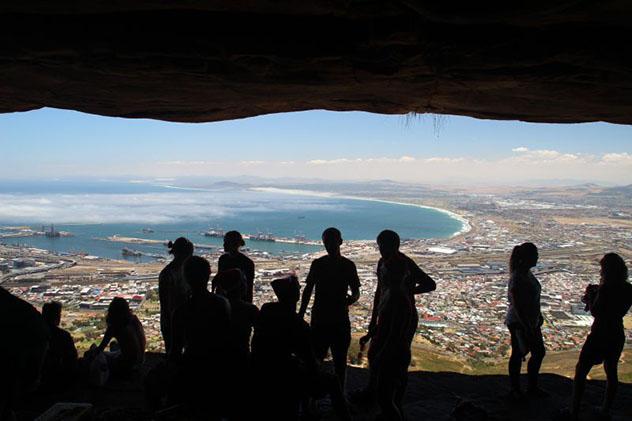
[{"x": 463, "y": 317}]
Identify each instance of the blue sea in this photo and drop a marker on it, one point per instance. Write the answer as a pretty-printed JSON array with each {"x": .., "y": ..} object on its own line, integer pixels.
[{"x": 92, "y": 211}]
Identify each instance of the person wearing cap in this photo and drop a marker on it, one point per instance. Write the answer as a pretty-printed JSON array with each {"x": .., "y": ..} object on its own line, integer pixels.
[
  {"x": 284, "y": 365},
  {"x": 173, "y": 291},
  {"x": 235, "y": 259},
  {"x": 332, "y": 276}
]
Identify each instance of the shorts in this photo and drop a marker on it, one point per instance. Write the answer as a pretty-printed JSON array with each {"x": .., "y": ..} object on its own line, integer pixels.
[
  {"x": 336, "y": 337},
  {"x": 600, "y": 347}
]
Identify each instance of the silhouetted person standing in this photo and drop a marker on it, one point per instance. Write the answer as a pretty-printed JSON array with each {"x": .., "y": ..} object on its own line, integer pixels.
[
  {"x": 524, "y": 319},
  {"x": 172, "y": 289},
  {"x": 389, "y": 353},
  {"x": 242, "y": 319},
  {"x": 200, "y": 342},
  {"x": 608, "y": 302},
  {"x": 22, "y": 350},
  {"x": 333, "y": 276},
  {"x": 60, "y": 363},
  {"x": 283, "y": 361},
  {"x": 242, "y": 314},
  {"x": 235, "y": 259},
  {"x": 124, "y": 326},
  {"x": 416, "y": 282}
]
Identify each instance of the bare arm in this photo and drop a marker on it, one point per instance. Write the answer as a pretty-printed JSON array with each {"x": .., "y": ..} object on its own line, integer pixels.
[
  {"x": 376, "y": 304},
  {"x": 421, "y": 280},
  {"x": 354, "y": 284},
  {"x": 307, "y": 292},
  {"x": 177, "y": 336},
  {"x": 107, "y": 337}
]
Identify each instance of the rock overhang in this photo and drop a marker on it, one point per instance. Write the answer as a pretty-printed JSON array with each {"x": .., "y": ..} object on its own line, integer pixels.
[{"x": 195, "y": 61}]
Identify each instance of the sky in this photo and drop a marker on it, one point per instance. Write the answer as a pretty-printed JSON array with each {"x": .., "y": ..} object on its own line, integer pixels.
[{"x": 51, "y": 143}]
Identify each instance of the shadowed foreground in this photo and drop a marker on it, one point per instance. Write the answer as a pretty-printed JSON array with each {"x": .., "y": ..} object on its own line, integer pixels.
[{"x": 430, "y": 396}]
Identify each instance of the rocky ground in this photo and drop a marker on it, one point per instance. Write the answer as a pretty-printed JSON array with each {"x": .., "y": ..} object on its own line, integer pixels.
[{"x": 430, "y": 396}]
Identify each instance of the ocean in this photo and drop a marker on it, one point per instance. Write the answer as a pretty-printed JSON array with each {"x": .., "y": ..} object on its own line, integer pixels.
[{"x": 92, "y": 211}]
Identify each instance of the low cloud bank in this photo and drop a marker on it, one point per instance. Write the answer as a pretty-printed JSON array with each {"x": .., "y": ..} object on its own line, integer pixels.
[{"x": 149, "y": 208}]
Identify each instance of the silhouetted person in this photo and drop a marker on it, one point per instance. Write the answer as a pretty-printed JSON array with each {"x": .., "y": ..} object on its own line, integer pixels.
[
  {"x": 60, "y": 364},
  {"x": 234, "y": 259},
  {"x": 389, "y": 354},
  {"x": 524, "y": 319},
  {"x": 608, "y": 302},
  {"x": 242, "y": 314},
  {"x": 333, "y": 276},
  {"x": 283, "y": 360},
  {"x": 242, "y": 319},
  {"x": 416, "y": 282},
  {"x": 200, "y": 341},
  {"x": 123, "y": 326},
  {"x": 172, "y": 289},
  {"x": 23, "y": 346}
]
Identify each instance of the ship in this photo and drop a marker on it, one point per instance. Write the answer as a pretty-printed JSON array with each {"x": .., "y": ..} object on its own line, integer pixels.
[
  {"x": 215, "y": 232},
  {"x": 52, "y": 232},
  {"x": 147, "y": 231},
  {"x": 261, "y": 236},
  {"x": 131, "y": 253}
]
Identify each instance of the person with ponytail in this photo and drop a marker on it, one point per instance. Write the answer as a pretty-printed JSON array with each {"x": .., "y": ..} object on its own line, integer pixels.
[
  {"x": 524, "y": 319},
  {"x": 172, "y": 288},
  {"x": 608, "y": 302}
]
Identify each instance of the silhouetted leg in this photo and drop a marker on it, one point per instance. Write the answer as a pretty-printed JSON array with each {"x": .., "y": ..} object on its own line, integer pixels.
[
  {"x": 515, "y": 362},
  {"x": 535, "y": 361},
  {"x": 339, "y": 351},
  {"x": 320, "y": 341},
  {"x": 338, "y": 398},
  {"x": 165, "y": 329},
  {"x": 387, "y": 399},
  {"x": 579, "y": 383},
  {"x": 610, "y": 367}
]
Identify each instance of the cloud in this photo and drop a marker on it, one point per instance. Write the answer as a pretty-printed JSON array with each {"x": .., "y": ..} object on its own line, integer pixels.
[
  {"x": 146, "y": 208},
  {"x": 518, "y": 165}
]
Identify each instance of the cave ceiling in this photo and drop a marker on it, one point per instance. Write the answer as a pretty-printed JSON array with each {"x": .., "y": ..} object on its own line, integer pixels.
[{"x": 197, "y": 61}]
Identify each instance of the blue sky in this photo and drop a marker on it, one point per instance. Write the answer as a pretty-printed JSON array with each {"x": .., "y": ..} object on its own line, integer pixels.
[{"x": 52, "y": 142}]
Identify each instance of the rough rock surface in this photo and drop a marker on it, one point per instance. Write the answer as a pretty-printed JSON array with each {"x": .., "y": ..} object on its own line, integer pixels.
[
  {"x": 430, "y": 396},
  {"x": 205, "y": 60}
]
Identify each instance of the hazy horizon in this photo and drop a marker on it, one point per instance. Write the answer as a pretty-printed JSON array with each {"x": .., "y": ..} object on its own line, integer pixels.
[{"x": 318, "y": 145}]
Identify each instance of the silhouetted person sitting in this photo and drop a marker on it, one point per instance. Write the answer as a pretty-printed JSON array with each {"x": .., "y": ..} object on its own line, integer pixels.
[
  {"x": 333, "y": 276},
  {"x": 389, "y": 354},
  {"x": 60, "y": 364},
  {"x": 417, "y": 282},
  {"x": 283, "y": 361},
  {"x": 524, "y": 319},
  {"x": 172, "y": 288},
  {"x": 608, "y": 302},
  {"x": 200, "y": 341},
  {"x": 234, "y": 259},
  {"x": 22, "y": 349},
  {"x": 129, "y": 351}
]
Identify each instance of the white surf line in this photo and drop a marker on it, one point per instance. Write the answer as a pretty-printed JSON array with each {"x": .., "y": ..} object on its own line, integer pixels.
[{"x": 465, "y": 224}]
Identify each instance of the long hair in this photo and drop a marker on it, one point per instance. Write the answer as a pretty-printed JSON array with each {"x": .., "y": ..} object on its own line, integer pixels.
[
  {"x": 613, "y": 268},
  {"x": 520, "y": 254},
  {"x": 119, "y": 313}
]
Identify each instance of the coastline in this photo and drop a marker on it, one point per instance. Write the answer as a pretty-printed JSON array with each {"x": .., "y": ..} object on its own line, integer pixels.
[{"x": 465, "y": 224}]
